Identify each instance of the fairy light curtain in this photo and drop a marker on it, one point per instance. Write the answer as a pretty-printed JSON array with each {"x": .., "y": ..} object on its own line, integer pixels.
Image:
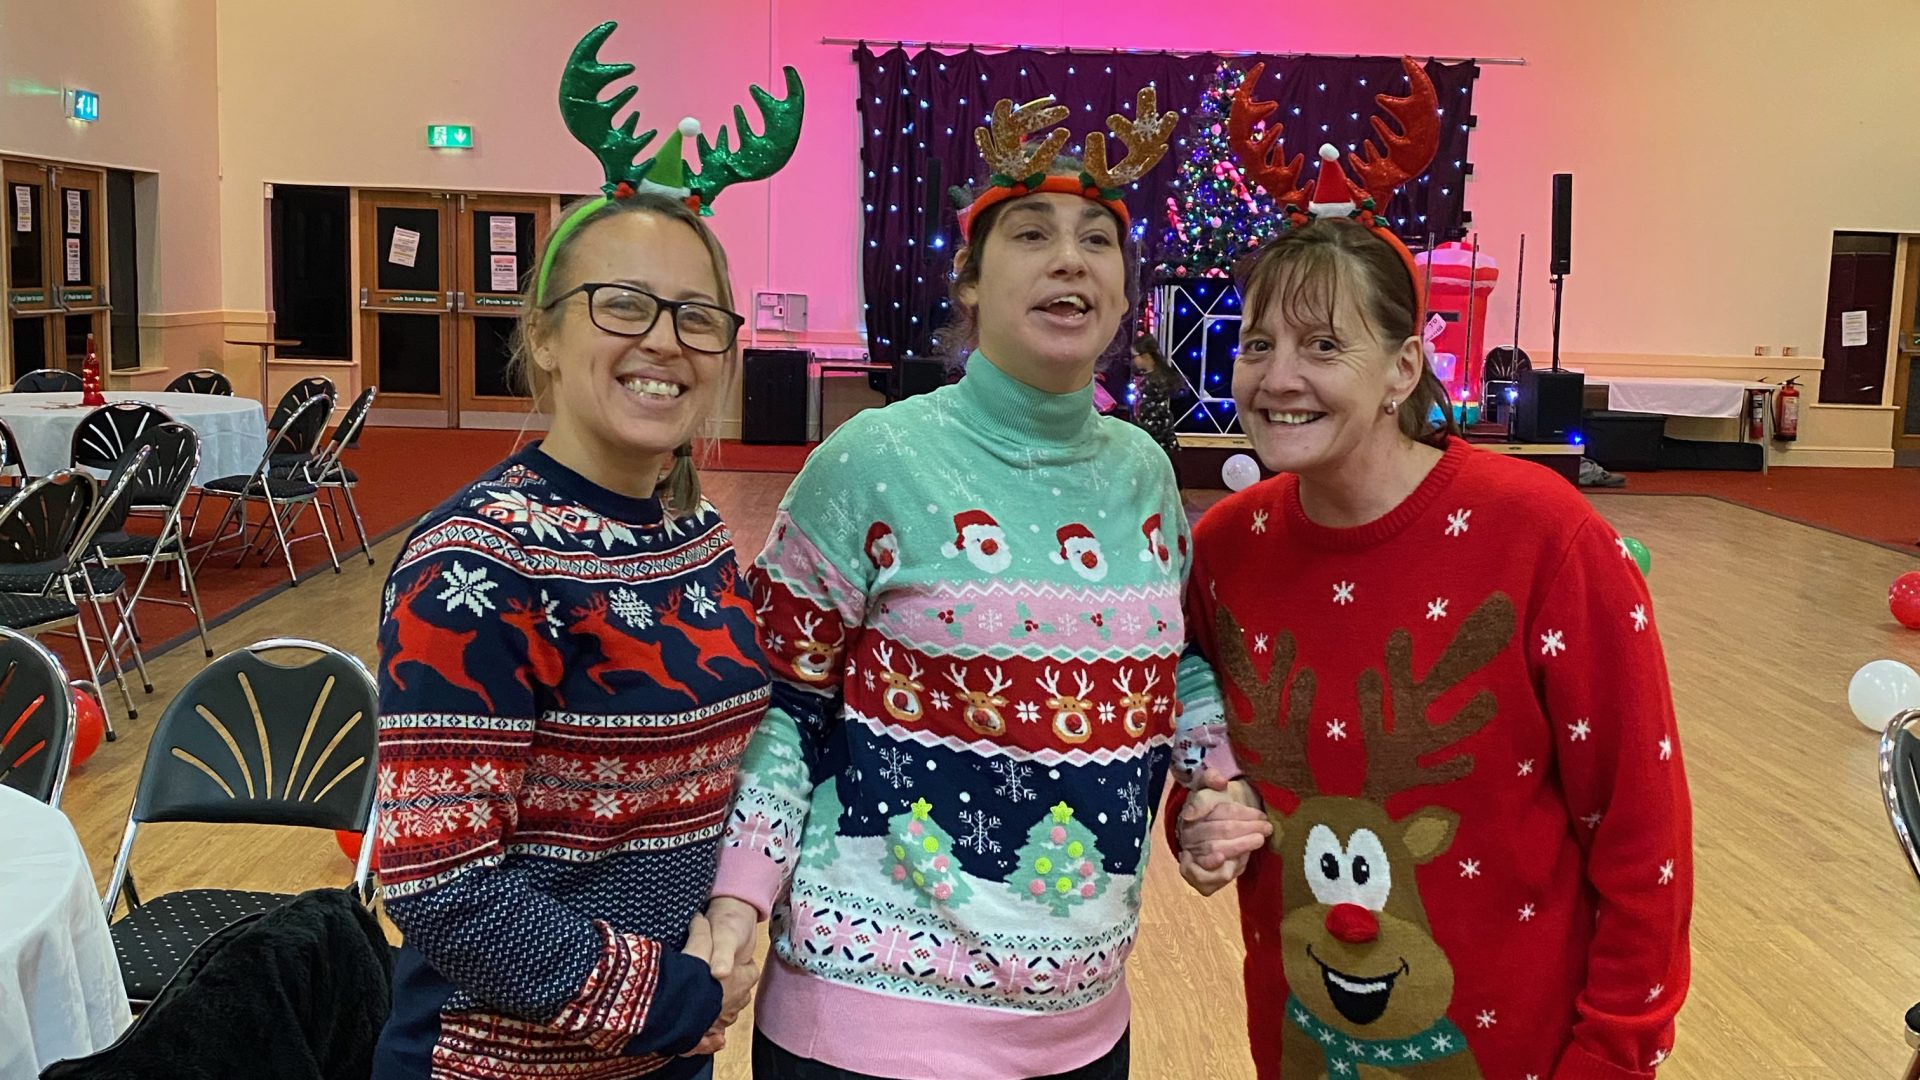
[{"x": 918, "y": 112}]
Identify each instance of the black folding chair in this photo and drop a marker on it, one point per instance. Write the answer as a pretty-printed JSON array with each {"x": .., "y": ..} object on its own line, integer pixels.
[
  {"x": 203, "y": 381},
  {"x": 161, "y": 486},
  {"x": 332, "y": 475},
  {"x": 297, "y": 395},
  {"x": 48, "y": 381},
  {"x": 249, "y": 740},
  {"x": 106, "y": 434},
  {"x": 286, "y": 497},
  {"x": 39, "y": 531},
  {"x": 36, "y": 719},
  {"x": 1900, "y": 792},
  {"x": 11, "y": 464}
]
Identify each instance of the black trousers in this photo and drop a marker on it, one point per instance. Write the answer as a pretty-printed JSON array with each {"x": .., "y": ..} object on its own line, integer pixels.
[{"x": 770, "y": 1062}]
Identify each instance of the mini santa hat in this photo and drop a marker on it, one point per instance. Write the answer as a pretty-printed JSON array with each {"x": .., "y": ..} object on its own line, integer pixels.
[
  {"x": 1155, "y": 548},
  {"x": 1333, "y": 193},
  {"x": 964, "y": 520},
  {"x": 1069, "y": 533}
]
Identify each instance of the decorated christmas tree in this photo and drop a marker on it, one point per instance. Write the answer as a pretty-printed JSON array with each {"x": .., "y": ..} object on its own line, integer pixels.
[
  {"x": 920, "y": 856},
  {"x": 90, "y": 388},
  {"x": 1059, "y": 864},
  {"x": 1214, "y": 217}
]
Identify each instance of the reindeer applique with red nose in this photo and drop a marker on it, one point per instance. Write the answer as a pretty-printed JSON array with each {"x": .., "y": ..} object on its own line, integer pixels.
[{"x": 1370, "y": 987}]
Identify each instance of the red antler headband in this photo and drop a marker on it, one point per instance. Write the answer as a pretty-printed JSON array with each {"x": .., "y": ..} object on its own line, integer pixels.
[
  {"x": 1020, "y": 169},
  {"x": 1407, "y": 155}
]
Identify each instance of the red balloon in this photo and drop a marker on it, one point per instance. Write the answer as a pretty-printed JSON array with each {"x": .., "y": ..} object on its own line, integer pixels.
[
  {"x": 349, "y": 842},
  {"x": 89, "y": 725},
  {"x": 1903, "y": 599}
]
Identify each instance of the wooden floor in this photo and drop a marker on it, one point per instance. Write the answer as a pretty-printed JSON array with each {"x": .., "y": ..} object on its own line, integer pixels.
[{"x": 1807, "y": 925}]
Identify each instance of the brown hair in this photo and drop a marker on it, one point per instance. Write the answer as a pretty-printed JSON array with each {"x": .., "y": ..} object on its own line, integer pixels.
[
  {"x": 1162, "y": 374},
  {"x": 1303, "y": 271},
  {"x": 962, "y": 332},
  {"x": 681, "y": 486}
]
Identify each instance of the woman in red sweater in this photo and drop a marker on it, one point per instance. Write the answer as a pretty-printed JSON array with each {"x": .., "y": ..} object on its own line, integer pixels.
[{"x": 1451, "y": 789}]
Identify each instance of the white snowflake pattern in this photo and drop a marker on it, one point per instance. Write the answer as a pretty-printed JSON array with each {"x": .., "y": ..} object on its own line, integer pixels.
[
  {"x": 1336, "y": 729},
  {"x": 1486, "y": 1018},
  {"x": 1261, "y": 643},
  {"x": 775, "y": 643},
  {"x": 1658, "y": 1057},
  {"x": 612, "y": 530},
  {"x": 1107, "y": 712},
  {"x": 467, "y": 588},
  {"x": 1130, "y": 799},
  {"x": 634, "y": 611},
  {"x": 549, "y": 609},
  {"x": 482, "y": 776},
  {"x": 1259, "y": 521},
  {"x": 941, "y": 700},
  {"x": 894, "y": 768},
  {"x": 1666, "y": 748},
  {"x": 388, "y": 608},
  {"x": 1029, "y": 712},
  {"x": 1343, "y": 593},
  {"x": 991, "y": 621},
  {"x": 1553, "y": 643},
  {"x": 700, "y": 599},
  {"x": 979, "y": 836},
  {"x": 1013, "y": 780},
  {"x": 1592, "y": 821},
  {"x": 1579, "y": 730},
  {"x": 1526, "y": 913},
  {"x": 1639, "y": 617},
  {"x": 479, "y": 815},
  {"x": 1130, "y": 624},
  {"x": 1526, "y": 767},
  {"x": 1470, "y": 868},
  {"x": 1436, "y": 609},
  {"x": 1457, "y": 521},
  {"x": 606, "y": 804},
  {"x": 1666, "y": 872},
  {"x": 1626, "y": 551}
]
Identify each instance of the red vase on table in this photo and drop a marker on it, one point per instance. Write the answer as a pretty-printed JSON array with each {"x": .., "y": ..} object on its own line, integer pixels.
[{"x": 90, "y": 394}]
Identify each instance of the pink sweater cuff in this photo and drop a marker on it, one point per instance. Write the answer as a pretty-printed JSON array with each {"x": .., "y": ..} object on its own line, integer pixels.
[{"x": 750, "y": 877}]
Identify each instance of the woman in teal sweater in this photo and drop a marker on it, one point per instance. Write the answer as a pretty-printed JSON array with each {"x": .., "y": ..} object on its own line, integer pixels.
[{"x": 971, "y": 605}]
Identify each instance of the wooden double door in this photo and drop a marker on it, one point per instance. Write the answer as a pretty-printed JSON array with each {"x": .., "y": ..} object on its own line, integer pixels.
[
  {"x": 55, "y": 273},
  {"x": 441, "y": 280}
]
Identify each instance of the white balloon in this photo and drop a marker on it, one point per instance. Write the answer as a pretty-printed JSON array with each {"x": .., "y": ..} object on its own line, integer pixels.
[
  {"x": 1240, "y": 471},
  {"x": 1880, "y": 690}
]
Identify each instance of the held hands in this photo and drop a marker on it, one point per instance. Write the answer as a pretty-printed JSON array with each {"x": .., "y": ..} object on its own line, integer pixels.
[
  {"x": 727, "y": 930},
  {"x": 1220, "y": 828}
]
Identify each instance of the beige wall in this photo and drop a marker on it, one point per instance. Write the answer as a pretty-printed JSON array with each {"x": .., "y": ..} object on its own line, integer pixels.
[
  {"x": 1717, "y": 143},
  {"x": 153, "y": 64}
]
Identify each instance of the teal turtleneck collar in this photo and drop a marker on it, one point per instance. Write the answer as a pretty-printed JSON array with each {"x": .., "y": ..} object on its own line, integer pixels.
[{"x": 1006, "y": 407}]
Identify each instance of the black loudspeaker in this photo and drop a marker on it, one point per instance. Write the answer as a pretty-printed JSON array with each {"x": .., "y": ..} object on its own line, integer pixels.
[
  {"x": 921, "y": 375},
  {"x": 773, "y": 396},
  {"x": 1562, "y": 224},
  {"x": 1548, "y": 410}
]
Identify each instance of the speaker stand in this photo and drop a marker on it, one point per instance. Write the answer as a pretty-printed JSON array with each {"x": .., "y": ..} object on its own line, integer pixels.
[{"x": 1559, "y": 281}]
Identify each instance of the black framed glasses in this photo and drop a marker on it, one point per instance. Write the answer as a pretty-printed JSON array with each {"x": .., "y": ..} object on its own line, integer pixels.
[{"x": 629, "y": 311}]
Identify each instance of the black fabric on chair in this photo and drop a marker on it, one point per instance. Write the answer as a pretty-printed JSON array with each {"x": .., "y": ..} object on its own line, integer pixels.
[
  {"x": 101, "y": 580},
  {"x": 162, "y": 485},
  {"x": 203, "y": 381},
  {"x": 280, "y": 487},
  {"x": 36, "y": 719},
  {"x": 41, "y": 524},
  {"x": 26, "y": 613},
  {"x": 249, "y": 740},
  {"x": 286, "y": 499},
  {"x": 48, "y": 381},
  {"x": 108, "y": 432},
  {"x": 133, "y": 547},
  {"x": 296, "y": 993}
]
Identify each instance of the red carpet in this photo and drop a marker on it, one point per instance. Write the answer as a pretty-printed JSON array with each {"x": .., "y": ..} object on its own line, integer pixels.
[{"x": 1881, "y": 506}]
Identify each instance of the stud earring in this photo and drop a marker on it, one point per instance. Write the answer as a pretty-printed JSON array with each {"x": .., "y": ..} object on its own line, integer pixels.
[{"x": 1392, "y": 406}]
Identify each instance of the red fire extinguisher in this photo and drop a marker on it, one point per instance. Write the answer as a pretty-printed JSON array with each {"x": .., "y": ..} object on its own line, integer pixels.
[{"x": 1786, "y": 411}]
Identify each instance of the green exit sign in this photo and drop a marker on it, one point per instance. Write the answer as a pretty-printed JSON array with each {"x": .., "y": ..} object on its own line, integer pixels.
[{"x": 449, "y": 137}]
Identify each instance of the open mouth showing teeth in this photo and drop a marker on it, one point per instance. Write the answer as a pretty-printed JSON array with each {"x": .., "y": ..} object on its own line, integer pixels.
[
  {"x": 1066, "y": 306},
  {"x": 1359, "y": 1000},
  {"x": 1284, "y": 418},
  {"x": 656, "y": 388}
]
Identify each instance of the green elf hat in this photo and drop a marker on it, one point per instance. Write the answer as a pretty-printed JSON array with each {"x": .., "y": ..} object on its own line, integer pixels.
[{"x": 591, "y": 120}]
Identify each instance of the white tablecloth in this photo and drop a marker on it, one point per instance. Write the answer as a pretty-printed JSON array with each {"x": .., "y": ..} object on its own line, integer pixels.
[
  {"x": 60, "y": 989},
  {"x": 1679, "y": 397},
  {"x": 233, "y": 430}
]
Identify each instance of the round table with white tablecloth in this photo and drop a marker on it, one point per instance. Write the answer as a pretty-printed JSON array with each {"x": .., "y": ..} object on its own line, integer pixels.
[
  {"x": 232, "y": 430},
  {"x": 60, "y": 989}
]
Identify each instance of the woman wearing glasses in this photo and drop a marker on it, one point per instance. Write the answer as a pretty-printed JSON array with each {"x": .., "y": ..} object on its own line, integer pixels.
[{"x": 568, "y": 677}]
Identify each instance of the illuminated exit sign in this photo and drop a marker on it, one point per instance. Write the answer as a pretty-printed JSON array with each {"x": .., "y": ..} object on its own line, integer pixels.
[
  {"x": 449, "y": 137},
  {"x": 83, "y": 105}
]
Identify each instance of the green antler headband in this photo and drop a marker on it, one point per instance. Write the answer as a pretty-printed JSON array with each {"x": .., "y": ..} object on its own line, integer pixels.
[{"x": 591, "y": 120}]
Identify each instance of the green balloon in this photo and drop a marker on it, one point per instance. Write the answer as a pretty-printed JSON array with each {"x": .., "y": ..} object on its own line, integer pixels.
[{"x": 1641, "y": 556}]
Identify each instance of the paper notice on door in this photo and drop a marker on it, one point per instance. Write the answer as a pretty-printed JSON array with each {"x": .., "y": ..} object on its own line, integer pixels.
[
  {"x": 406, "y": 246},
  {"x": 73, "y": 213},
  {"x": 501, "y": 233},
  {"x": 73, "y": 260},
  {"x": 506, "y": 272},
  {"x": 1853, "y": 328},
  {"x": 22, "y": 209}
]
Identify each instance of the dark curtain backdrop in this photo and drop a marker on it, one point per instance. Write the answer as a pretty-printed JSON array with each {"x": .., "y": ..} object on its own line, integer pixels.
[{"x": 919, "y": 111}]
